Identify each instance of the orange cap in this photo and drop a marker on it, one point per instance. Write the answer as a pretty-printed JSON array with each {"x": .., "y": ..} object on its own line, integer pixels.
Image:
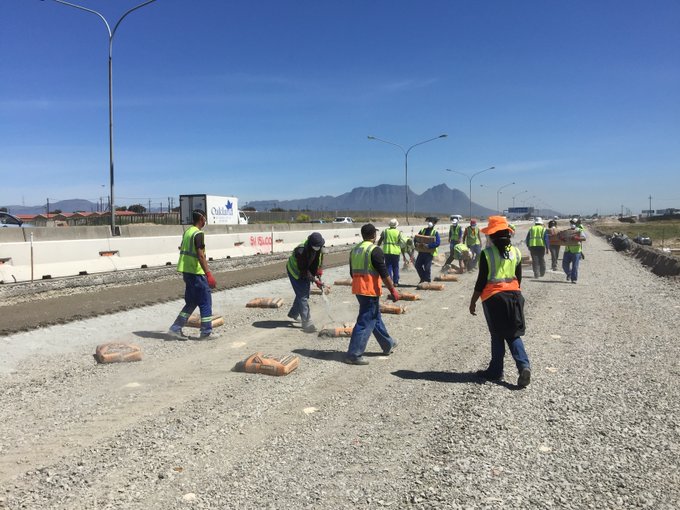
[{"x": 496, "y": 223}]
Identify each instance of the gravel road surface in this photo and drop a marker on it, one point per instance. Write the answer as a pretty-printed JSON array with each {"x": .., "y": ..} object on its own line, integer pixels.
[{"x": 599, "y": 426}]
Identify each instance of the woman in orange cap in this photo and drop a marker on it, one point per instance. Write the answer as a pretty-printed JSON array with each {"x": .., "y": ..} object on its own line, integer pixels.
[{"x": 498, "y": 284}]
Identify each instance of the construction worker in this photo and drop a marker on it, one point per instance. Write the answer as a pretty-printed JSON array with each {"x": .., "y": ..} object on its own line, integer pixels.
[
  {"x": 198, "y": 280},
  {"x": 393, "y": 240},
  {"x": 407, "y": 251},
  {"x": 554, "y": 247},
  {"x": 424, "y": 258},
  {"x": 455, "y": 237},
  {"x": 538, "y": 242},
  {"x": 498, "y": 284},
  {"x": 472, "y": 238},
  {"x": 463, "y": 255},
  {"x": 573, "y": 252},
  {"x": 367, "y": 268},
  {"x": 303, "y": 268}
]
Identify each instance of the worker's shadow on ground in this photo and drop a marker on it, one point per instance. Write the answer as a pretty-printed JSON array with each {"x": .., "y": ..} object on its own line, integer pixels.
[
  {"x": 274, "y": 324},
  {"x": 157, "y": 335},
  {"x": 322, "y": 355},
  {"x": 449, "y": 377}
]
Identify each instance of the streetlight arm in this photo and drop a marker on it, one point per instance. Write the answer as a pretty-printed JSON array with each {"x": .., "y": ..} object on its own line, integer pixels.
[
  {"x": 89, "y": 10},
  {"x": 390, "y": 143},
  {"x": 425, "y": 141},
  {"x": 128, "y": 12},
  {"x": 459, "y": 173},
  {"x": 482, "y": 171}
]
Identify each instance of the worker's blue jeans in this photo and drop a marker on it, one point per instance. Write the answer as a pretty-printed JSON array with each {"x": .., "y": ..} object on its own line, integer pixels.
[
  {"x": 392, "y": 263},
  {"x": 300, "y": 306},
  {"x": 570, "y": 262},
  {"x": 424, "y": 266},
  {"x": 196, "y": 294},
  {"x": 498, "y": 350},
  {"x": 369, "y": 321},
  {"x": 476, "y": 250}
]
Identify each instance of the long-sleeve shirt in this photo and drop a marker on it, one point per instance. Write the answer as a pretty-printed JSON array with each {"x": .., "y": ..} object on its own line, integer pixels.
[{"x": 308, "y": 261}]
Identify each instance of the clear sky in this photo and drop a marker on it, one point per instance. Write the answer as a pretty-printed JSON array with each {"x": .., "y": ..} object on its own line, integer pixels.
[{"x": 576, "y": 101}]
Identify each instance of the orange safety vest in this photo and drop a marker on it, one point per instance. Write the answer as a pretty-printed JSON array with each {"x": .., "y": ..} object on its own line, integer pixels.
[
  {"x": 501, "y": 276},
  {"x": 365, "y": 279}
]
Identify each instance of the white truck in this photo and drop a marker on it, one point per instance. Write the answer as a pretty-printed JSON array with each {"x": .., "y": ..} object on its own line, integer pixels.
[{"x": 218, "y": 210}]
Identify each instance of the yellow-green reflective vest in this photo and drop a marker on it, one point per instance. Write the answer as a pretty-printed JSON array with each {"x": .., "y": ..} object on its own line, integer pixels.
[
  {"x": 536, "y": 234},
  {"x": 392, "y": 242},
  {"x": 292, "y": 265},
  {"x": 472, "y": 237},
  {"x": 188, "y": 257},
  {"x": 365, "y": 279},
  {"x": 455, "y": 233},
  {"x": 577, "y": 248},
  {"x": 502, "y": 269}
]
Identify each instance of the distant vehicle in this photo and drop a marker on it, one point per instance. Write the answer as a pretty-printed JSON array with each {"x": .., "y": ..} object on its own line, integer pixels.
[
  {"x": 317, "y": 221},
  {"x": 643, "y": 239},
  {"x": 343, "y": 219},
  {"x": 9, "y": 220},
  {"x": 219, "y": 210}
]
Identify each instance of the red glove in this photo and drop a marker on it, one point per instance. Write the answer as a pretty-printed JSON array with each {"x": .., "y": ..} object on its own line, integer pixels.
[
  {"x": 211, "y": 280},
  {"x": 395, "y": 294},
  {"x": 319, "y": 272},
  {"x": 318, "y": 284}
]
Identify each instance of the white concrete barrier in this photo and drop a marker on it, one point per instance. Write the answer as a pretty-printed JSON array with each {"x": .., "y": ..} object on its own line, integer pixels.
[{"x": 60, "y": 258}]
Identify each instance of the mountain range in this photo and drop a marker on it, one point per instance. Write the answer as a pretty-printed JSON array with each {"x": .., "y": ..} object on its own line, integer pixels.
[{"x": 439, "y": 200}]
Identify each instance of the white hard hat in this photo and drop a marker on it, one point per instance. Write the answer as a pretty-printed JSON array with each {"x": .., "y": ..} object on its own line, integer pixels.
[
  {"x": 454, "y": 221},
  {"x": 538, "y": 221},
  {"x": 394, "y": 222}
]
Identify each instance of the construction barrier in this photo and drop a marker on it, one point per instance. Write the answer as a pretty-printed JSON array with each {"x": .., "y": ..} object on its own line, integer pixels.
[
  {"x": 117, "y": 353},
  {"x": 265, "y": 303},
  {"x": 260, "y": 363}
]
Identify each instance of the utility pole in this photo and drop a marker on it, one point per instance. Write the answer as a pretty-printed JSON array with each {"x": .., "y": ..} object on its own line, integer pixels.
[
  {"x": 650, "y": 206},
  {"x": 149, "y": 210},
  {"x": 48, "y": 208}
]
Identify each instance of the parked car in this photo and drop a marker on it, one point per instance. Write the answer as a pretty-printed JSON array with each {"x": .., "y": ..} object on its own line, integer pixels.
[
  {"x": 343, "y": 219},
  {"x": 317, "y": 221},
  {"x": 643, "y": 239},
  {"x": 9, "y": 220}
]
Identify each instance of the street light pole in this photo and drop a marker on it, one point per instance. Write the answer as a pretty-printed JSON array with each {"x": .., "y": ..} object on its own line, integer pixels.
[
  {"x": 470, "y": 177},
  {"x": 498, "y": 196},
  {"x": 111, "y": 34},
  {"x": 406, "y": 151},
  {"x": 518, "y": 194}
]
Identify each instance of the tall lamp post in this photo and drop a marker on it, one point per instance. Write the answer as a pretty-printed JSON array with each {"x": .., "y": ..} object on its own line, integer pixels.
[
  {"x": 406, "y": 151},
  {"x": 498, "y": 196},
  {"x": 470, "y": 177},
  {"x": 111, "y": 34},
  {"x": 518, "y": 194}
]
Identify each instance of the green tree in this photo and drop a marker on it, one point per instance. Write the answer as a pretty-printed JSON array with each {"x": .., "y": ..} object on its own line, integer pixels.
[
  {"x": 302, "y": 218},
  {"x": 137, "y": 208}
]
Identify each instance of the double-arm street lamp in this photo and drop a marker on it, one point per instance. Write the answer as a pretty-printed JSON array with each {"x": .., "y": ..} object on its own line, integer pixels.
[
  {"x": 518, "y": 194},
  {"x": 498, "y": 196},
  {"x": 111, "y": 34},
  {"x": 406, "y": 151},
  {"x": 470, "y": 177}
]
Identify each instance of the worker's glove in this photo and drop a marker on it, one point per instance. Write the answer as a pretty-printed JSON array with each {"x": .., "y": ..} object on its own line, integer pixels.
[
  {"x": 319, "y": 272},
  {"x": 318, "y": 284},
  {"x": 211, "y": 280},
  {"x": 394, "y": 294}
]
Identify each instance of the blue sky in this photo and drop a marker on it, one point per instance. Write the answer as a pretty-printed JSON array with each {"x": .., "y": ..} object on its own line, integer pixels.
[{"x": 577, "y": 102}]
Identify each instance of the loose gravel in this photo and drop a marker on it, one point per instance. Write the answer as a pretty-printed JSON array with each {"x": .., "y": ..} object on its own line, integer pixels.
[{"x": 599, "y": 426}]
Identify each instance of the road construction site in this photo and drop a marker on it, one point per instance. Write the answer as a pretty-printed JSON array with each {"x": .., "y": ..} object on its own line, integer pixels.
[{"x": 599, "y": 426}]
